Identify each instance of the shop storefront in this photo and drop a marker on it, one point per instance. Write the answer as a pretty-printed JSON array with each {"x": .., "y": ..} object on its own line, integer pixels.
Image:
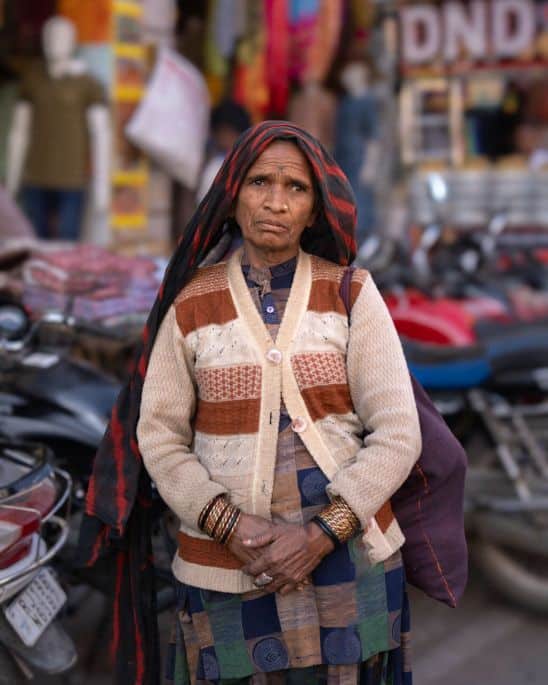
[
  {"x": 474, "y": 106},
  {"x": 274, "y": 59}
]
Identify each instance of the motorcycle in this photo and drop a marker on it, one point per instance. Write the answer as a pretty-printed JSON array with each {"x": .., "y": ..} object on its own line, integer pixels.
[
  {"x": 486, "y": 369},
  {"x": 51, "y": 397},
  {"x": 34, "y": 527},
  {"x": 496, "y": 405}
]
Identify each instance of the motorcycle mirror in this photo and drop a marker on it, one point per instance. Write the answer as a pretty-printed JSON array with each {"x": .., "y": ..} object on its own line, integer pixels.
[
  {"x": 14, "y": 322},
  {"x": 497, "y": 223},
  {"x": 437, "y": 188},
  {"x": 430, "y": 236},
  {"x": 369, "y": 248},
  {"x": 469, "y": 261},
  {"x": 53, "y": 318}
]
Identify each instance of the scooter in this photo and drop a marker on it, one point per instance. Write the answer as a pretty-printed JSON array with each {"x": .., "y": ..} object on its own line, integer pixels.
[{"x": 34, "y": 499}]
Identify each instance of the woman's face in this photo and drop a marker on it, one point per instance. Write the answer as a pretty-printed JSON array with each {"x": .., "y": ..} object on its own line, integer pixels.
[{"x": 275, "y": 204}]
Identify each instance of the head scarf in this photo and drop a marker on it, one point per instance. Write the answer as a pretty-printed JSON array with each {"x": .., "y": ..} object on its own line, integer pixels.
[{"x": 115, "y": 532}]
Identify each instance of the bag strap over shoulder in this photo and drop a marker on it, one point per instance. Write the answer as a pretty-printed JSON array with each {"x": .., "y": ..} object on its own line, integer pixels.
[{"x": 344, "y": 288}]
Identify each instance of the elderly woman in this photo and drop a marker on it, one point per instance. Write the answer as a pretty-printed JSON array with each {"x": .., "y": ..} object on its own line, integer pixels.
[{"x": 276, "y": 427}]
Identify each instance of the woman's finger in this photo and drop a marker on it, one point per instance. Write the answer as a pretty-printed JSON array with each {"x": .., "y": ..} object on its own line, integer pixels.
[
  {"x": 259, "y": 540},
  {"x": 256, "y": 567}
]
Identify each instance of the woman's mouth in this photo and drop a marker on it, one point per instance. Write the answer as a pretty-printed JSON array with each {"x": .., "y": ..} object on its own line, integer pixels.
[{"x": 273, "y": 226}]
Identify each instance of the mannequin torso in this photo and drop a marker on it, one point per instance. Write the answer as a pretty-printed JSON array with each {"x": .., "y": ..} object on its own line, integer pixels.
[{"x": 60, "y": 125}]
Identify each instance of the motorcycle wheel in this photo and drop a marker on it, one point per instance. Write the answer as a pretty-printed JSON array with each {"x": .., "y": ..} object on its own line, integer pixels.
[
  {"x": 511, "y": 576},
  {"x": 10, "y": 673}
]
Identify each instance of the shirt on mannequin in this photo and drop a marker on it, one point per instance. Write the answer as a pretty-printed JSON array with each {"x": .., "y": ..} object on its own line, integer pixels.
[{"x": 58, "y": 153}]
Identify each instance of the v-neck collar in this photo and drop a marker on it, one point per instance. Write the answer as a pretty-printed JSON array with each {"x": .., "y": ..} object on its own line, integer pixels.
[{"x": 295, "y": 309}]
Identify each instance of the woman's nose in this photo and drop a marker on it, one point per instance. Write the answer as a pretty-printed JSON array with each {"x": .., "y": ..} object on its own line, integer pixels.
[{"x": 276, "y": 200}]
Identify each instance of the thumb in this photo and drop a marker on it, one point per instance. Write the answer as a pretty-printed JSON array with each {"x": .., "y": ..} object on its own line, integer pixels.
[{"x": 260, "y": 540}]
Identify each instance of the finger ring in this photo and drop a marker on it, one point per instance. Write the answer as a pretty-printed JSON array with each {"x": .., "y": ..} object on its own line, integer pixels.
[{"x": 262, "y": 580}]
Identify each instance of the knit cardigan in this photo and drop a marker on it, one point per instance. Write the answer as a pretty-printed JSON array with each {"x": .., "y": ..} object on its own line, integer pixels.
[{"x": 211, "y": 403}]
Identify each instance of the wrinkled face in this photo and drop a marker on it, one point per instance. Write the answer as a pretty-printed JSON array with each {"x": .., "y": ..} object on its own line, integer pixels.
[{"x": 275, "y": 204}]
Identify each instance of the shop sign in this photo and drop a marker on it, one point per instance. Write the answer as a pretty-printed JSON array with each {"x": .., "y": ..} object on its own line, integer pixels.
[{"x": 478, "y": 31}]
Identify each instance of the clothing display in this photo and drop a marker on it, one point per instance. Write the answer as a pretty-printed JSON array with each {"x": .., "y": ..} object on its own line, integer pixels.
[
  {"x": 66, "y": 204},
  {"x": 95, "y": 282},
  {"x": 277, "y": 55},
  {"x": 351, "y": 613},
  {"x": 58, "y": 154},
  {"x": 325, "y": 43},
  {"x": 314, "y": 108},
  {"x": 356, "y": 125}
]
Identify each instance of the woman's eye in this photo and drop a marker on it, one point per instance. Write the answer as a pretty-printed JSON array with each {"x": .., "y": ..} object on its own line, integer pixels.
[{"x": 257, "y": 181}]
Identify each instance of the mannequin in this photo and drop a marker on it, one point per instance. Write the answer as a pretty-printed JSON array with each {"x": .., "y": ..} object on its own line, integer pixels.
[
  {"x": 357, "y": 149},
  {"x": 60, "y": 120}
]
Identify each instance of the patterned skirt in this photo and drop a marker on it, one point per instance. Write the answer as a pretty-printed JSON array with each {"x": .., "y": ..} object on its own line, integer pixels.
[
  {"x": 354, "y": 633},
  {"x": 349, "y": 626}
]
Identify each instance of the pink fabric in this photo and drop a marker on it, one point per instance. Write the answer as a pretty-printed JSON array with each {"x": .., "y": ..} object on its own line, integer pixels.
[{"x": 277, "y": 21}]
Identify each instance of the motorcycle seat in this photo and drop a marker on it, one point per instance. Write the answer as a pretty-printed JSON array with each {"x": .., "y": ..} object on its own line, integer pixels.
[{"x": 438, "y": 366}]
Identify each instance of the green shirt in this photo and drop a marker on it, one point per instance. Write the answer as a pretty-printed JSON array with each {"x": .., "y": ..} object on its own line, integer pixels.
[
  {"x": 8, "y": 97},
  {"x": 58, "y": 155}
]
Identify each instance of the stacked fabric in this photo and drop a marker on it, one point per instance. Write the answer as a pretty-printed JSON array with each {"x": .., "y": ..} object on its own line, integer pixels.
[{"x": 89, "y": 282}]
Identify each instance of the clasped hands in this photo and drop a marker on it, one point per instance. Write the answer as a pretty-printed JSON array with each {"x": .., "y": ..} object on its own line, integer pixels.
[{"x": 280, "y": 557}]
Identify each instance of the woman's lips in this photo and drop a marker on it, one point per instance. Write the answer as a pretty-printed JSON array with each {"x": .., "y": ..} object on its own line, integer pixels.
[{"x": 273, "y": 226}]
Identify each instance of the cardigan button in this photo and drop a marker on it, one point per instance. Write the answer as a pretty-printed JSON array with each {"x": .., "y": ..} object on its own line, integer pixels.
[
  {"x": 299, "y": 424},
  {"x": 273, "y": 355}
]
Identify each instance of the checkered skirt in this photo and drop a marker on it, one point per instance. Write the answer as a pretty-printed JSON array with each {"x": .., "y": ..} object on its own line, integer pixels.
[{"x": 349, "y": 626}]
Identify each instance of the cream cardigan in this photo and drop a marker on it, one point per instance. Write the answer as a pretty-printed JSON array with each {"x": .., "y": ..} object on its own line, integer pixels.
[{"x": 211, "y": 401}]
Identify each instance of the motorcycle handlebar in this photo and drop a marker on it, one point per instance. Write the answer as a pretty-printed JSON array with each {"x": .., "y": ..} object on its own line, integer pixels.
[{"x": 59, "y": 319}]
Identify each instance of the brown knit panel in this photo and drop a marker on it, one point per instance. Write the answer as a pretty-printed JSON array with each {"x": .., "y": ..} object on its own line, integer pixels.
[
  {"x": 228, "y": 418},
  {"x": 323, "y": 400},
  {"x": 206, "y": 553},
  {"x": 210, "y": 279},
  {"x": 204, "y": 310},
  {"x": 319, "y": 368},
  {"x": 384, "y": 516},
  {"x": 324, "y": 293},
  {"x": 228, "y": 383},
  {"x": 324, "y": 297}
]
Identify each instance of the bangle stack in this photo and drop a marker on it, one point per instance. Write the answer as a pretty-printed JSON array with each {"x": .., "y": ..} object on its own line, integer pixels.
[
  {"x": 338, "y": 521},
  {"x": 219, "y": 519}
]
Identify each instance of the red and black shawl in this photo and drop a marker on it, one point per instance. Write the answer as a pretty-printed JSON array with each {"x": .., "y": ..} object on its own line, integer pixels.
[{"x": 116, "y": 528}]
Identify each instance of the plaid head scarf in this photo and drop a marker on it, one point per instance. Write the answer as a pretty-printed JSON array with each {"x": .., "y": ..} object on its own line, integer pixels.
[{"x": 115, "y": 532}]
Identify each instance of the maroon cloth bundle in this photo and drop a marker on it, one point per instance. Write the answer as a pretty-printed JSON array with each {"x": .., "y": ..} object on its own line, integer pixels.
[{"x": 429, "y": 506}]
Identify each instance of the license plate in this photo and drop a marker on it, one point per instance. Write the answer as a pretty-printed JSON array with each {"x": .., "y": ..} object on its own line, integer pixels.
[{"x": 36, "y": 606}]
